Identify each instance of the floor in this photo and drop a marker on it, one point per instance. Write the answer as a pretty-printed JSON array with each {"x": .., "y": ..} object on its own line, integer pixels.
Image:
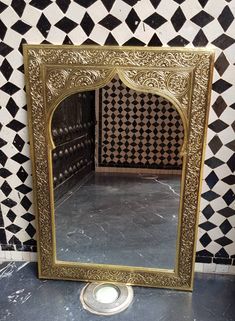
[
  {"x": 26, "y": 298},
  {"x": 120, "y": 219}
]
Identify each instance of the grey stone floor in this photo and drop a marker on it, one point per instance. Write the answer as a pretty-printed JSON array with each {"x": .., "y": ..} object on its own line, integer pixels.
[
  {"x": 26, "y": 298},
  {"x": 120, "y": 219}
]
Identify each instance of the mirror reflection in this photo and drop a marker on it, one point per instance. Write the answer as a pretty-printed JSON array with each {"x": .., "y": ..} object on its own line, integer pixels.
[{"x": 117, "y": 175}]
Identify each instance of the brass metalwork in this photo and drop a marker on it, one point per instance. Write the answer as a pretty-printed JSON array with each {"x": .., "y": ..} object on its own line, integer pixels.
[{"x": 182, "y": 75}]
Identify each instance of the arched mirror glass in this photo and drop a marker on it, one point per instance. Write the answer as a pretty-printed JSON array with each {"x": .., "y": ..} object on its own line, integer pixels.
[{"x": 117, "y": 175}]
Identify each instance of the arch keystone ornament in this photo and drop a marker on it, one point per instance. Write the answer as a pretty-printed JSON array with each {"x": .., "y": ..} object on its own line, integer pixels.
[{"x": 181, "y": 75}]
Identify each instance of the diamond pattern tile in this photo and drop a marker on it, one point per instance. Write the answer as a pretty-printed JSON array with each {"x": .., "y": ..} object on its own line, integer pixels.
[
  {"x": 150, "y": 134},
  {"x": 120, "y": 22},
  {"x": 202, "y": 19}
]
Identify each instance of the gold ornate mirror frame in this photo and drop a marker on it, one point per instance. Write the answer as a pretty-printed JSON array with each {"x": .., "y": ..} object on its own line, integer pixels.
[{"x": 181, "y": 75}]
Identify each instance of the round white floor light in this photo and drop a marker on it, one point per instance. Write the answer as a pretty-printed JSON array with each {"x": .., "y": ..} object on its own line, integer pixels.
[{"x": 105, "y": 298}]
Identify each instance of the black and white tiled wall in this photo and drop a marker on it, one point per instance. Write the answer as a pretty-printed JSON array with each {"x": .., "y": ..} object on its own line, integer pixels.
[
  {"x": 121, "y": 22},
  {"x": 137, "y": 130}
]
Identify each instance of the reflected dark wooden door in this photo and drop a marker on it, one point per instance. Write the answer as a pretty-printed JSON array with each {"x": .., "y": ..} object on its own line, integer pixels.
[{"x": 73, "y": 130}]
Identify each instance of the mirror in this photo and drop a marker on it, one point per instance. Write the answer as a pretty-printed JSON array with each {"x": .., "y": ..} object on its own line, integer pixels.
[
  {"x": 117, "y": 172},
  {"x": 117, "y": 138}
]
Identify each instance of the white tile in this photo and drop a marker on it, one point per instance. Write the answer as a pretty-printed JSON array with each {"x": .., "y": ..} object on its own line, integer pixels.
[
  {"x": 198, "y": 267},
  {"x": 231, "y": 269},
  {"x": 221, "y": 268},
  {"x": 209, "y": 268}
]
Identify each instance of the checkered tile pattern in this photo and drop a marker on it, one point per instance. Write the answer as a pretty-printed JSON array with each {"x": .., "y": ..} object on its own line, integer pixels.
[
  {"x": 138, "y": 129},
  {"x": 122, "y": 22}
]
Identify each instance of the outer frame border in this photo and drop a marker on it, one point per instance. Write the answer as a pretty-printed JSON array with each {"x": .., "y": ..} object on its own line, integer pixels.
[{"x": 39, "y": 61}]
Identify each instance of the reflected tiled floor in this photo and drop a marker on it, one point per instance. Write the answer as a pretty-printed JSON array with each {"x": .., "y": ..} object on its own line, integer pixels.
[
  {"x": 25, "y": 298},
  {"x": 120, "y": 219}
]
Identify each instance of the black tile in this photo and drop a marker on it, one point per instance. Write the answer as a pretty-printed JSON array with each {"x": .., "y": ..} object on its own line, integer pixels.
[
  {"x": 111, "y": 40},
  {"x": 87, "y": 24},
  {"x": 202, "y": 19},
  {"x": 28, "y": 217},
  {"x": 231, "y": 145},
  {"x": 110, "y": 22},
  {"x": 231, "y": 163},
  {"x": 89, "y": 42},
  {"x": 226, "y": 18},
  {"x": 215, "y": 144},
  {"x": 7, "y": 247},
  {"x": 30, "y": 242},
  {"x": 221, "y": 85},
  {"x": 227, "y": 212},
  {"x": 21, "y": 27},
  {"x": 155, "y": 41},
  {"x": 20, "y": 158},
  {"x": 20, "y": 48},
  {"x": 221, "y": 64},
  {"x": 10, "y": 88},
  {"x": 208, "y": 211},
  {"x": 155, "y": 20},
  {"x": 203, "y": 2},
  {"x": 214, "y": 162},
  {"x": 212, "y": 179},
  {"x": 11, "y": 215},
  {"x": 18, "y": 142},
  {"x": 12, "y": 107},
  {"x": 6, "y": 69},
  {"x": 134, "y": 42},
  {"x": 223, "y": 241},
  {"x": 4, "y": 49},
  {"x": 14, "y": 240},
  {"x": 18, "y": 6},
  {"x": 229, "y": 197},
  {"x": 230, "y": 179},
  {"x": 210, "y": 195},
  {"x": 4, "y": 173},
  {"x": 63, "y": 5},
  {"x": 3, "y": 158},
  {"x": 225, "y": 261},
  {"x": 15, "y": 125},
  {"x": 131, "y": 2},
  {"x": 9, "y": 202},
  {"x": 223, "y": 41},
  {"x": 222, "y": 253},
  {"x": 155, "y": 3},
  {"x": 108, "y": 4},
  {"x": 3, "y": 30},
  {"x": 178, "y": 41},
  {"x": 30, "y": 230},
  {"x": 219, "y": 106},
  {"x": 66, "y": 24},
  {"x": 6, "y": 188},
  {"x": 207, "y": 226},
  {"x": 24, "y": 189},
  {"x": 225, "y": 227},
  {"x": 178, "y": 19},
  {"x": 26, "y": 203},
  {"x": 205, "y": 240},
  {"x": 203, "y": 259},
  {"x": 85, "y": 3},
  {"x": 21, "y": 69},
  {"x": 3, "y": 239},
  {"x": 3, "y": 6},
  {"x": 67, "y": 41},
  {"x": 218, "y": 125},
  {"x": 2, "y": 142},
  {"x": 200, "y": 39},
  {"x": 132, "y": 20},
  {"x": 179, "y": 1},
  {"x": 40, "y": 4},
  {"x": 43, "y": 25}
]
